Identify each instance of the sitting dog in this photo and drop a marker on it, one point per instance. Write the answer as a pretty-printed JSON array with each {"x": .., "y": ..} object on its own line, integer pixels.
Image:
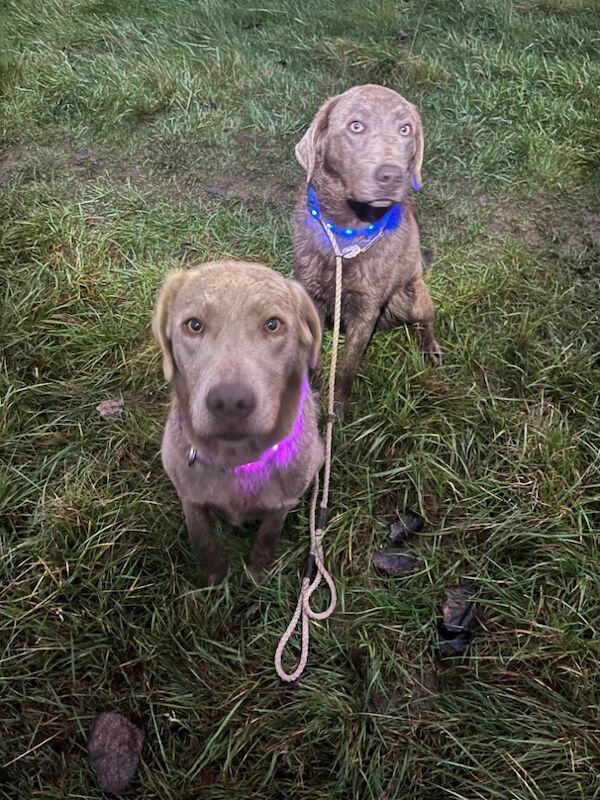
[
  {"x": 362, "y": 152},
  {"x": 238, "y": 343}
]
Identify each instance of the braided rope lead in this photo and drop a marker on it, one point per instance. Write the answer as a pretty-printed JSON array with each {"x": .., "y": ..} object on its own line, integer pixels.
[{"x": 304, "y": 609}]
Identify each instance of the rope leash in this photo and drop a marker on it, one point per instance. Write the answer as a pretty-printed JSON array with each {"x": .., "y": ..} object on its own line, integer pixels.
[{"x": 304, "y": 610}]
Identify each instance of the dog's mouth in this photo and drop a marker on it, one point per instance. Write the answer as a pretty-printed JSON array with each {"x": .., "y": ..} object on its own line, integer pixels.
[
  {"x": 371, "y": 211},
  {"x": 230, "y": 435}
]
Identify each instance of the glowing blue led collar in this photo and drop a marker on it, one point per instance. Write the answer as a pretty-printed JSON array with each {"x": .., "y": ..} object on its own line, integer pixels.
[{"x": 389, "y": 222}]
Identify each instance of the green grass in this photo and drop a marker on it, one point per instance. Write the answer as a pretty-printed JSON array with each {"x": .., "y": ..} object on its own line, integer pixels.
[{"x": 117, "y": 119}]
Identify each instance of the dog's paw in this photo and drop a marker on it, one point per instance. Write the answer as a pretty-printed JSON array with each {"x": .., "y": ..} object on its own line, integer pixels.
[
  {"x": 212, "y": 572},
  {"x": 340, "y": 408},
  {"x": 258, "y": 566},
  {"x": 433, "y": 353}
]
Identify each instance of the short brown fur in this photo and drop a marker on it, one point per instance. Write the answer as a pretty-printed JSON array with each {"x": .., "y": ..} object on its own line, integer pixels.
[
  {"x": 233, "y": 300},
  {"x": 384, "y": 286}
]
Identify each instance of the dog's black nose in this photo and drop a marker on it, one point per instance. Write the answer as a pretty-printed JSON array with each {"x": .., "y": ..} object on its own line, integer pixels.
[
  {"x": 231, "y": 401},
  {"x": 388, "y": 175}
]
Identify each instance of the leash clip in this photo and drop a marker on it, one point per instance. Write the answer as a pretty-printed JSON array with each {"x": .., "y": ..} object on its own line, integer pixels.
[{"x": 351, "y": 251}]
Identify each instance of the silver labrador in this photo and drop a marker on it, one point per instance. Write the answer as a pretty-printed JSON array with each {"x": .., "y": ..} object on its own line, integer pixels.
[
  {"x": 238, "y": 342},
  {"x": 361, "y": 153}
]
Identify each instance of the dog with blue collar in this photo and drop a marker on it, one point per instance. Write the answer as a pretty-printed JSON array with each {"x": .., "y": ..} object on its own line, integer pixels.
[{"x": 362, "y": 154}]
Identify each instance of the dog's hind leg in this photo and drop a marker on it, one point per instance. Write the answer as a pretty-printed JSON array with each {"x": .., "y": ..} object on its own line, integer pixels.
[{"x": 414, "y": 306}]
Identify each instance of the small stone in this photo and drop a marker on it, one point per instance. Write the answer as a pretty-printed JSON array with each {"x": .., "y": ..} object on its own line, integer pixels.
[
  {"x": 84, "y": 155},
  {"x": 216, "y": 191},
  {"x": 402, "y": 36},
  {"x": 395, "y": 562},
  {"x": 114, "y": 745},
  {"x": 405, "y": 526},
  {"x": 110, "y": 410}
]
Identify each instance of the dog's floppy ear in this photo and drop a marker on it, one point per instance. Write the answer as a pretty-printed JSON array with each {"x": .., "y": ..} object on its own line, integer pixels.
[
  {"x": 310, "y": 324},
  {"x": 308, "y": 147},
  {"x": 160, "y": 319},
  {"x": 419, "y": 147}
]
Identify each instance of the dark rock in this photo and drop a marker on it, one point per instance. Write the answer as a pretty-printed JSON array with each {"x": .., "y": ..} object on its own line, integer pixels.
[
  {"x": 114, "y": 745},
  {"x": 394, "y": 561},
  {"x": 405, "y": 526}
]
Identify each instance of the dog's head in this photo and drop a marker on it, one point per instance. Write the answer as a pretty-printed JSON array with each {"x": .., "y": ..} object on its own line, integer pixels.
[
  {"x": 237, "y": 340},
  {"x": 370, "y": 139}
]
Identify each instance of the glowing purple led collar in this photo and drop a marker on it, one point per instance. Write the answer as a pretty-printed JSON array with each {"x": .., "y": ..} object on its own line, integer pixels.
[
  {"x": 278, "y": 456},
  {"x": 282, "y": 453}
]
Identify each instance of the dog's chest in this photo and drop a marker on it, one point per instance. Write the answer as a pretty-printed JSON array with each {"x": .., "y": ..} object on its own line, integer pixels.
[{"x": 245, "y": 497}]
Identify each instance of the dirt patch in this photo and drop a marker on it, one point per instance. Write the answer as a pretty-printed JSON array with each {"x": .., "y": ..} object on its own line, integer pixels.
[
  {"x": 592, "y": 224},
  {"x": 252, "y": 186},
  {"x": 560, "y": 226},
  {"x": 248, "y": 185}
]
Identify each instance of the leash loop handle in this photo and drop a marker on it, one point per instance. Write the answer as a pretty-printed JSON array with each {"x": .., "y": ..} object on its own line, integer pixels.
[{"x": 304, "y": 611}]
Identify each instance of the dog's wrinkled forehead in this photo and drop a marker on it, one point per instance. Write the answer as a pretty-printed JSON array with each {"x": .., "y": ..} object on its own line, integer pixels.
[
  {"x": 371, "y": 101},
  {"x": 226, "y": 293}
]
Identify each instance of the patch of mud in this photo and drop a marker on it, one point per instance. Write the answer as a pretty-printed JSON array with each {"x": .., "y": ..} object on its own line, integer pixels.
[
  {"x": 246, "y": 184},
  {"x": 562, "y": 227}
]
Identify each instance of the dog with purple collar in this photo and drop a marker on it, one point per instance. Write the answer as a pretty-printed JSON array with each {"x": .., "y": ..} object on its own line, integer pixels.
[{"x": 239, "y": 342}]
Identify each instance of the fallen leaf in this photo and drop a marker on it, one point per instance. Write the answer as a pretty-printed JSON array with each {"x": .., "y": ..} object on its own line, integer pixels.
[
  {"x": 114, "y": 745},
  {"x": 459, "y": 612},
  {"x": 110, "y": 410},
  {"x": 460, "y": 616},
  {"x": 394, "y": 561},
  {"x": 451, "y": 643},
  {"x": 405, "y": 526}
]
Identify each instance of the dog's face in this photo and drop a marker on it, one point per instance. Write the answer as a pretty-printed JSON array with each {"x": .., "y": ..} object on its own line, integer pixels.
[
  {"x": 371, "y": 139},
  {"x": 238, "y": 340}
]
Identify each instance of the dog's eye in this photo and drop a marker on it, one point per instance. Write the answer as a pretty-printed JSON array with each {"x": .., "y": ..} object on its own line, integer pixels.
[
  {"x": 356, "y": 126},
  {"x": 194, "y": 325},
  {"x": 273, "y": 324},
  {"x": 405, "y": 130}
]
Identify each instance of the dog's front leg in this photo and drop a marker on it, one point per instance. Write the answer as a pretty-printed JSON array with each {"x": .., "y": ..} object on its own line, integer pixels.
[
  {"x": 212, "y": 564},
  {"x": 358, "y": 334},
  {"x": 265, "y": 543}
]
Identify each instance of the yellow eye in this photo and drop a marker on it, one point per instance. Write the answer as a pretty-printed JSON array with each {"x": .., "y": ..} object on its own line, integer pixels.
[
  {"x": 194, "y": 325},
  {"x": 405, "y": 130},
  {"x": 273, "y": 324},
  {"x": 356, "y": 126}
]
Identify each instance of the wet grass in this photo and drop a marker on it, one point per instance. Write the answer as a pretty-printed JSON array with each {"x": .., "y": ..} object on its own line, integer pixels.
[{"x": 141, "y": 136}]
